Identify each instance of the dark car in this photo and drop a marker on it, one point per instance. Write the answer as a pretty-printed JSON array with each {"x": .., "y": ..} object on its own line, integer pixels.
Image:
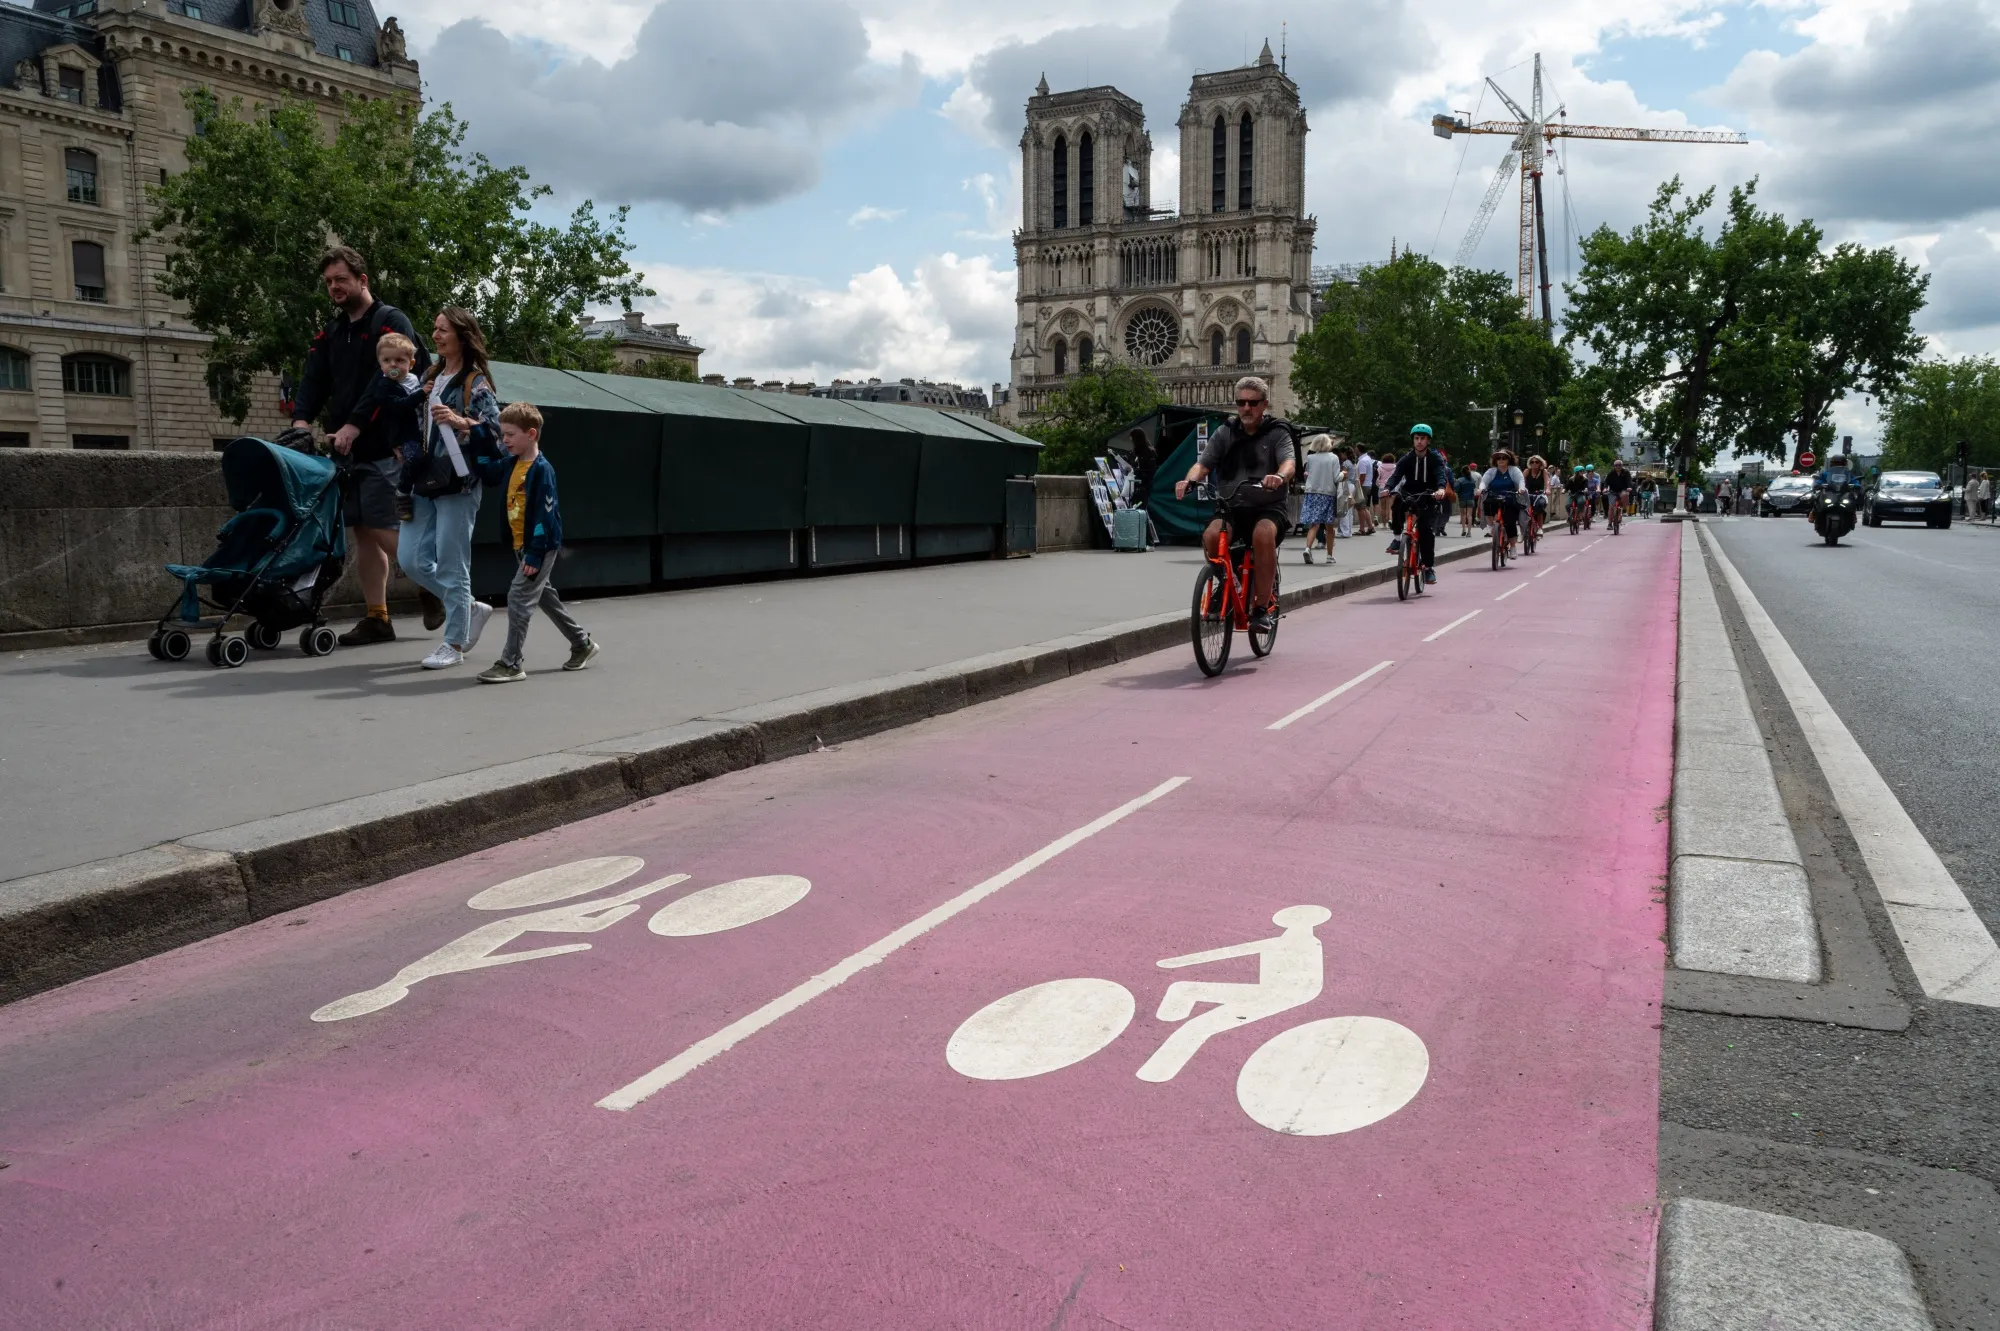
[
  {"x": 1907, "y": 496},
  {"x": 1786, "y": 494}
]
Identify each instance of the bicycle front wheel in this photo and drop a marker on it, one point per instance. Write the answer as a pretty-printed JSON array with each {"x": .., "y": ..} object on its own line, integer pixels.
[{"x": 1209, "y": 622}]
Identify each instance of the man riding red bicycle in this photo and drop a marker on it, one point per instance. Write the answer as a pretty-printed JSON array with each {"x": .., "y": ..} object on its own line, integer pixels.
[
  {"x": 1422, "y": 479},
  {"x": 1253, "y": 446}
]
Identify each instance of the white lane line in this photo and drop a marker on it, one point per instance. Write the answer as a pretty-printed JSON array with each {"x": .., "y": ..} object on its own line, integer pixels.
[
  {"x": 1949, "y": 947},
  {"x": 1329, "y": 696},
  {"x": 671, "y": 1071},
  {"x": 1545, "y": 572},
  {"x": 1449, "y": 627},
  {"x": 1511, "y": 590},
  {"x": 1566, "y": 558}
]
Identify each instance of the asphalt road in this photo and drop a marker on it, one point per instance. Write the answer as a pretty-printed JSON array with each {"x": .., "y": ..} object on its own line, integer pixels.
[
  {"x": 1900, "y": 627},
  {"x": 914, "y": 1042}
]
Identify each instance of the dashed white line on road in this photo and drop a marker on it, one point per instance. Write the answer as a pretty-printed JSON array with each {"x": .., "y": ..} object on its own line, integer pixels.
[
  {"x": 1545, "y": 572},
  {"x": 1449, "y": 627},
  {"x": 1949, "y": 947},
  {"x": 1511, "y": 590},
  {"x": 1329, "y": 696},
  {"x": 671, "y": 1071},
  {"x": 1566, "y": 558}
]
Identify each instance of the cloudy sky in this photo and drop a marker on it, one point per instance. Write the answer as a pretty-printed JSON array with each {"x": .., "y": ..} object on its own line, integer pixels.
[{"x": 826, "y": 188}]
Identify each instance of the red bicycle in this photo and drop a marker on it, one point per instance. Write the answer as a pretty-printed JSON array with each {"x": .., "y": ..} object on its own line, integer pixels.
[
  {"x": 1409, "y": 565},
  {"x": 1531, "y": 531},
  {"x": 1222, "y": 591}
]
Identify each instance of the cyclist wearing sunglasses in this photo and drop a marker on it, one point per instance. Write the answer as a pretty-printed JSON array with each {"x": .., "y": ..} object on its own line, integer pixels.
[
  {"x": 1422, "y": 480},
  {"x": 1254, "y": 456}
]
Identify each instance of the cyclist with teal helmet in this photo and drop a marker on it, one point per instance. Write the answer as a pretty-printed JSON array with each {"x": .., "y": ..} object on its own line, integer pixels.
[{"x": 1421, "y": 481}]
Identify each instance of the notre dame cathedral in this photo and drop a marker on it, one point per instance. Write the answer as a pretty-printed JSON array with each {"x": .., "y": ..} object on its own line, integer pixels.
[{"x": 1201, "y": 297}]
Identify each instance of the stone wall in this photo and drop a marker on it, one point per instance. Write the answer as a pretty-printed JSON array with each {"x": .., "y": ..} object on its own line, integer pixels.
[
  {"x": 83, "y": 536},
  {"x": 1065, "y": 517}
]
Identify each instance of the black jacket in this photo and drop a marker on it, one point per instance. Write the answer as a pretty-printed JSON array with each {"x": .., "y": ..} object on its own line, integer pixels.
[
  {"x": 1423, "y": 475},
  {"x": 393, "y": 418},
  {"x": 341, "y": 365}
]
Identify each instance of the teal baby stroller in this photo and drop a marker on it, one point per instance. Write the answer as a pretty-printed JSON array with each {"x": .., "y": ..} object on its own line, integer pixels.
[{"x": 274, "y": 562}]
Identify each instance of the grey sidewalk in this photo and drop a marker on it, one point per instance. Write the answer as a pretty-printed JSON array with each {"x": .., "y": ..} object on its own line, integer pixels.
[{"x": 104, "y": 750}]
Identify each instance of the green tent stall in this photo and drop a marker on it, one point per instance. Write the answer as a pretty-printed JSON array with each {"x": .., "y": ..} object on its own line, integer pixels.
[
  {"x": 962, "y": 474},
  {"x": 606, "y": 451},
  {"x": 861, "y": 481},
  {"x": 731, "y": 494}
]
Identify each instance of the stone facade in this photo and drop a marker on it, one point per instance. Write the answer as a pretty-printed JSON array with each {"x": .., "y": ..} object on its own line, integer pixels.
[
  {"x": 1202, "y": 297},
  {"x": 91, "y": 113},
  {"x": 634, "y": 342}
]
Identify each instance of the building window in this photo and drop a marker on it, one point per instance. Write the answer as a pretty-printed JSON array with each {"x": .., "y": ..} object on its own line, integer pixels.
[
  {"x": 13, "y": 370},
  {"x": 1242, "y": 346},
  {"x": 1061, "y": 352},
  {"x": 186, "y": 8},
  {"x": 79, "y": 9},
  {"x": 1061, "y": 193},
  {"x": 346, "y": 14},
  {"x": 342, "y": 53},
  {"x": 13, "y": 439},
  {"x": 114, "y": 441},
  {"x": 80, "y": 167},
  {"x": 86, "y": 259},
  {"x": 1086, "y": 181},
  {"x": 100, "y": 376},
  {"x": 1215, "y": 347},
  {"x": 69, "y": 84},
  {"x": 1219, "y": 177},
  {"x": 1244, "y": 156},
  {"x": 1084, "y": 352}
]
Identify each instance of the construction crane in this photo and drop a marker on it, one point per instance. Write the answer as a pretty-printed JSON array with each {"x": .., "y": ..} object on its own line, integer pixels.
[{"x": 1534, "y": 136}]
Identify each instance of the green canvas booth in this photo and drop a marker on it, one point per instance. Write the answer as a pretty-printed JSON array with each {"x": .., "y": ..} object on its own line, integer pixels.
[
  {"x": 731, "y": 490},
  {"x": 962, "y": 475},
  {"x": 606, "y": 452},
  {"x": 861, "y": 481}
]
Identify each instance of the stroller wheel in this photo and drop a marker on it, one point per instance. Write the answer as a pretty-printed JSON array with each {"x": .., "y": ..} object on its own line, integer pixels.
[
  {"x": 234, "y": 652},
  {"x": 213, "y": 649},
  {"x": 263, "y": 637},
  {"x": 174, "y": 645},
  {"x": 153, "y": 646},
  {"x": 318, "y": 641}
]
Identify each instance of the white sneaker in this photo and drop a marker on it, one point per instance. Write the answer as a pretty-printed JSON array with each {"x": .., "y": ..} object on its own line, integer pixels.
[
  {"x": 445, "y": 657},
  {"x": 481, "y": 612}
]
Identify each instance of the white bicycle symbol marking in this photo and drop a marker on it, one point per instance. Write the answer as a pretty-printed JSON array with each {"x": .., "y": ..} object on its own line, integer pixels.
[{"x": 1324, "y": 1077}]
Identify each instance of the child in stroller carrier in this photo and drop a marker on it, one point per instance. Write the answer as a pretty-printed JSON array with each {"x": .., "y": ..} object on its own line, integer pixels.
[{"x": 274, "y": 562}]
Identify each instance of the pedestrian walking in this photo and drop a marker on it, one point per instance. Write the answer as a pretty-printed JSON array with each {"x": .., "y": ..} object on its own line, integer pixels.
[
  {"x": 464, "y": 427},
  {"x": 1348, "y": 496},
  {"x": 1466, "y": 487},
  {"x": 534, "y": 520},
  {"x": 1364, "y": 480},
  {"x": 340, "y": 368},
  {"x": 1318, "y": 511},
  {"x": 1984, "y": 497}
]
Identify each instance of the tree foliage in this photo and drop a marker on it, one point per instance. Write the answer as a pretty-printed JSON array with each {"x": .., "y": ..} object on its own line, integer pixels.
[
  {"x": 266, "y": 190},
  {"x": 1081, "y": 417},
  {"x": 1938, "y": 404},
  {"x": 1851, "y": 326},
  {"x": 1413, "y": 341},
  {"x": 661, "y": 367}
]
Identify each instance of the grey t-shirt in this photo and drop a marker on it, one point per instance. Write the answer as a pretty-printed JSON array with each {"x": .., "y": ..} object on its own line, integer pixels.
[{"x": 1232, "y": 458}]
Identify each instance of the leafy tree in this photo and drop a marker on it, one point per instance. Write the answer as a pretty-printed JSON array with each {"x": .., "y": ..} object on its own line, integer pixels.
[
  {"x": 1938, "y": 404},
  {"x": 1850, "y": 326},
  {"x": 1690, "y": 334},
  {"x": 1413, "y": 341},
  {"x": 267, "y": 189},
  {"x": 662, "y": 367},
  {"x": 1579, "y": 414},
  {"x": 1081, "y": 417}
]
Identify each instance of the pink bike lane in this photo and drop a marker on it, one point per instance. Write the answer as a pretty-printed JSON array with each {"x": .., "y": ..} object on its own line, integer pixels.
[{"x": 825, "y": 1109}]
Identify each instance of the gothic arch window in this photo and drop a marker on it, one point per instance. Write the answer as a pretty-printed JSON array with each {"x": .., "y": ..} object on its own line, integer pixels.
[
  {"x": 1243, "y": 346},
  {"x": 1219, "y": 191},
  {"x": 1245, "y": 141},
  {"x": 1061, "y": 191},
  {"x": 1060, "y": 350},
  {"x": 1215, "y": 347},
  {"x": 1084, "y": 352},
  {"x": 1086, "y": 181}
]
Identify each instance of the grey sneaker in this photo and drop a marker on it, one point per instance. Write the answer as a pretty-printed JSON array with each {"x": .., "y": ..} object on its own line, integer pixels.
[
  {"x": 581, "y": 657},
  {"x": 500, "y": 673}
]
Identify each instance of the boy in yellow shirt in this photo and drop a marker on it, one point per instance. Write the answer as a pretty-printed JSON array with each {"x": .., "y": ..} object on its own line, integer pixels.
[{"x": 535, "y": 521}]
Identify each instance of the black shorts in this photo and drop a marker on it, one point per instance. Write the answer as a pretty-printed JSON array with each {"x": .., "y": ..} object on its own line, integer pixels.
[
  {"x": 368, "y": 494},
  {"x": 1243, "y": 522}
]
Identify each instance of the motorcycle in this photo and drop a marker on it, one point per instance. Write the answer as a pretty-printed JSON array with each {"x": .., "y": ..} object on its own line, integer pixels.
[{"x": 1833, "y": 512}]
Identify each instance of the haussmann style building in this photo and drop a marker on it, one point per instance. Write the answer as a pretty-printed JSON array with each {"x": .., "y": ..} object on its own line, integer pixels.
[
  {"x": 1202, "y": 296},
  {"x": 91, "y": 114}
]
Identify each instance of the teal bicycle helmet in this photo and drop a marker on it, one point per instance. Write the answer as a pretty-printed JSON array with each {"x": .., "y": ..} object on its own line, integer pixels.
[{"x": 1423, "y": 430}]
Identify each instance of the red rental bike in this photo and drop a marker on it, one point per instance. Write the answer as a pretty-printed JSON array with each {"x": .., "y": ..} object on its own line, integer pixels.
[
  {"x": 1531, "y": 529},
  {"x": 1409, "y": 566},
  {"x": 1222, "y": 589}
]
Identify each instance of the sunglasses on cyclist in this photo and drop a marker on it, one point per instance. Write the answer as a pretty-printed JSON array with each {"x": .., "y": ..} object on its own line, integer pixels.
[{"x": 1249, "y": 401}]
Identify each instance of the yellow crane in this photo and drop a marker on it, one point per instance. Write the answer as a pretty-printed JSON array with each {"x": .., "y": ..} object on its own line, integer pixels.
[{"x": 1534, "y": 136}]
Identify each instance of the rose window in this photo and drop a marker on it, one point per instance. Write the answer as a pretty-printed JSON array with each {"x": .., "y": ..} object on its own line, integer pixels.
[{"x": 1151, "y": 337}]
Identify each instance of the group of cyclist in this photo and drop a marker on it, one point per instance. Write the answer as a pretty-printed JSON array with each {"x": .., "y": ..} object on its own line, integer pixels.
[{"x": 1254, "y": 456}]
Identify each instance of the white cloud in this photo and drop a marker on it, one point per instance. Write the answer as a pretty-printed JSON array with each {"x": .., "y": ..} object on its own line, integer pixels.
[
  {"x": 944, "y": 321},
  {"x": 870, "y": 213}
]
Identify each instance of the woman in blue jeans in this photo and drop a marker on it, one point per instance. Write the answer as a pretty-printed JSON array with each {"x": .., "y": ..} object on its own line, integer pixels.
[{"x": 435, "y": 546}]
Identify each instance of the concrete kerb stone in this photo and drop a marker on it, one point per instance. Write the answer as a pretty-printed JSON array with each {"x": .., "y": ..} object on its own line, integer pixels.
[
  {"x": 63, "y": 926},
  {"x": 1727, "y": 1268}
]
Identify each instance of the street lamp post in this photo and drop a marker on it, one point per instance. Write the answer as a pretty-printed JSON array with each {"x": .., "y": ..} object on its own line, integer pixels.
[{"x": 1514, "y": 440}]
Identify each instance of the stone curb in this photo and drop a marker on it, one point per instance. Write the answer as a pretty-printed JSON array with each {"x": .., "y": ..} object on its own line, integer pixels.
[
  {"x": 1727, "y": 1268},
  {"x": 64, "y": 925},
  {"x": 1739, "y": 902}
]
